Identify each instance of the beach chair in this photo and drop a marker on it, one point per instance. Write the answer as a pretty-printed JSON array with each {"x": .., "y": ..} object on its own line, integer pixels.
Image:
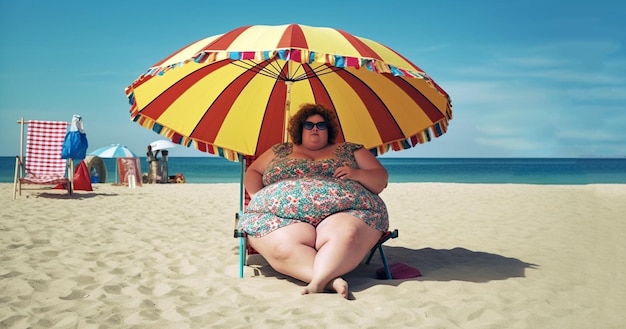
[
  {"x": 245, "y": 249},
  {"x": 43, "y": 164}
]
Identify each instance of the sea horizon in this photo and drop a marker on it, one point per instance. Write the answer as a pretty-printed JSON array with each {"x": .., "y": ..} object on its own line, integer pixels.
[{"x": 488, "y": 170}]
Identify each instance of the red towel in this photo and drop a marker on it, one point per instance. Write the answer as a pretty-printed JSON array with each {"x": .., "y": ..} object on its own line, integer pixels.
[{"x": 399, "y": 271}]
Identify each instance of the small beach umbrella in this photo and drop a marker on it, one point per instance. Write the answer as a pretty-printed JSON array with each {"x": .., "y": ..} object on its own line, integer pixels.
[
  {"x": 114, "y": 151},
  {"x": 232, "y": 94},
  {"x": 162, "y": 145}
]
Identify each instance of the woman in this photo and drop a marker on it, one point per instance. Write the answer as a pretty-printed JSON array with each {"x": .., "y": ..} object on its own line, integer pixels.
[
  {"x": 164, "y": 170},
  {"x": 149, "y": 154},
  {"x": 315, "y": 210}
]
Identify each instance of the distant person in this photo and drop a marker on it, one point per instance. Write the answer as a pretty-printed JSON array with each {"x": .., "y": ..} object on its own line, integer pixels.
[
  {"x": 150, "y": 155},
  {"x": 164, "y": 171}
]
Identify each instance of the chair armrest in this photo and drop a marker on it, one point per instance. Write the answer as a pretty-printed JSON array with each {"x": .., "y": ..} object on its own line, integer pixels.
[{"x": 388, "y": 235}]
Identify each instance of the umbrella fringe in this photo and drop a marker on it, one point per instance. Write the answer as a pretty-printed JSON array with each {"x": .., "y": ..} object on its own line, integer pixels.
[
  {"x": 438, "y": 129},
  {"x": 290, "y": 54}
]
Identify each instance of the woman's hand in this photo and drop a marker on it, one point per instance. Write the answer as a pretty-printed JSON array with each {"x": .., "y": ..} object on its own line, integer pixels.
[
  {"x": 374, "y": 179},
  {"x": 346, "y": 172}
]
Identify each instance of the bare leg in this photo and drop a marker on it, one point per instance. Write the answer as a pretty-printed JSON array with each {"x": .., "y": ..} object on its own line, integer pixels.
[
  {"x": 342, "y": 242},
  {"x": 289, "y": 250}
]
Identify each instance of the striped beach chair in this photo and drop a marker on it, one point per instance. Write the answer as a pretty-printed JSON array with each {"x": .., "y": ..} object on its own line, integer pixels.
[
  {"x": 42, "y": 164},
  {"x": 245, "y": 249}
]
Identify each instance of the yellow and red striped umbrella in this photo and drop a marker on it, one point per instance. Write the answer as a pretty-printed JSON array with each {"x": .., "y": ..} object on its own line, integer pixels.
[{"x": 231, "y": 94}]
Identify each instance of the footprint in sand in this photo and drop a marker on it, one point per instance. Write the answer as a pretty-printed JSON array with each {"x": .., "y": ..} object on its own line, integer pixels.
[
  {"x": 15, "y": 246},
  {"x": 39, "y": 285},
  {"x": 11, "y": 274},
  {"x": 76, "y": 294},
  {"x": 113, "y": 289}
]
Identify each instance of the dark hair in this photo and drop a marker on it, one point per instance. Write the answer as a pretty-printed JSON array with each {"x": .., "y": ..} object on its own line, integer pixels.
[{"x": 307, "y": 110}]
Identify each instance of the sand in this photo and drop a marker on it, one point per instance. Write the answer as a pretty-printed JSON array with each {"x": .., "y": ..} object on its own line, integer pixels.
[{"x": 163, "y": 256}]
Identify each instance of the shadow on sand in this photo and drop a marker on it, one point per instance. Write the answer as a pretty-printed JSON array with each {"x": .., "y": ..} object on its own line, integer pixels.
[
  {"x": 62, "y": 195},
  {"x": 458, "y": 264}
]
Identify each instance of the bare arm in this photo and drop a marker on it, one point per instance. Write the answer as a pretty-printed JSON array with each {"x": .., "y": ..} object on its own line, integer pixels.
[
  {"x": 371, "y": 174},
  {"x": 253, "y": 178}
]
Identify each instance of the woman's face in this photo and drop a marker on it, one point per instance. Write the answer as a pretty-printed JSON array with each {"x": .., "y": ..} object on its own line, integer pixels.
[{"x": 314, "y": 132}]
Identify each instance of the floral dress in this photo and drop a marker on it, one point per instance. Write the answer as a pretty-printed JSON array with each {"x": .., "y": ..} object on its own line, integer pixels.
[{"x": 301, "y": 190}]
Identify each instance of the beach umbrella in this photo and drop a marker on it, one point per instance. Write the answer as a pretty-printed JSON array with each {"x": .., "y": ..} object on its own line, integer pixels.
[
  {"x": 114, "y": 151},
  {"x": 162, "y": 145},
  {"x": 232, "y": 94}
]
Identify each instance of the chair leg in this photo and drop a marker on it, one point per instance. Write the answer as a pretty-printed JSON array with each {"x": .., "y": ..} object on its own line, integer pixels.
[
  {"x": 70, "y": 175},
  {"x": 17, "y": 185},
  {"x": 385, "y": 265},
  {"x": 369, "y": 258},
  {"x": 242, "y": 255},
  {"x": 379, "y": 247}
]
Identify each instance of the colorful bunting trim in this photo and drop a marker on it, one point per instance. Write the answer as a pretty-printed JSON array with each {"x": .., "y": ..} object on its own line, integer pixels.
[{"x": 295, "y": 55}]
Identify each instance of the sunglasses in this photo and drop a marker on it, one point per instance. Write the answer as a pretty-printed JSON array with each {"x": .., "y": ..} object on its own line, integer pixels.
[{"x": 308, "y": 125}]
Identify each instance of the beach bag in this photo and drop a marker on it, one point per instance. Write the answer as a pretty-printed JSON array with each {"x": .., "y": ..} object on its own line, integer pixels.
[
  {"x": 75, "y": 143},
  {"x": 82, "y": 181}
]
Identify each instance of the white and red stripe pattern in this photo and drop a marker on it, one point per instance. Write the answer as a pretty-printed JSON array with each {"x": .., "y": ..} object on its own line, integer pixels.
[
  {"x": 231, "y": 94},
  {"x": 44, "y": 145}
]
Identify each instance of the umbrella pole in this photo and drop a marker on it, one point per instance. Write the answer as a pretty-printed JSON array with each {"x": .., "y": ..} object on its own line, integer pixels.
[
  {"x": 287, "y": 109},
  {"x": 242, "y": 198},
  {"x": 242, "y": 190}
]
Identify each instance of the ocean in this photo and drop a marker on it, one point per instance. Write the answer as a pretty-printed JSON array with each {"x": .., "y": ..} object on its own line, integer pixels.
[{"x": 565, "y": 171}]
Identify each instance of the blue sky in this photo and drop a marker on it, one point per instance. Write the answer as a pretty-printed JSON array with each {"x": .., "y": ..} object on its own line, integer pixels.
[{"x": 526, "y": 78}]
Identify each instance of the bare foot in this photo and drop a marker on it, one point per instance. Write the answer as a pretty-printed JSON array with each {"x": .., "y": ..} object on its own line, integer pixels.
[
  {"x": 339, "y": 285},
  {"x": 312, "y": 289}
]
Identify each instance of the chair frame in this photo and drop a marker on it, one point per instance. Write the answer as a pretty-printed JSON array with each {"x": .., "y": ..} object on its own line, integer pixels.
[
  {"x": 245, "y": 249},
  {"x": 20, "y": 168}
]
